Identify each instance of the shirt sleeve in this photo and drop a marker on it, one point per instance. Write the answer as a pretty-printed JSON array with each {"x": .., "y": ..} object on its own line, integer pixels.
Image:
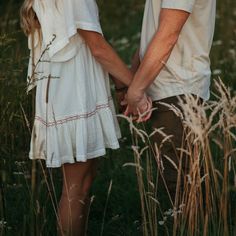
[
  {"x": 86, "y": 15},
  {"x": 185, "y": 5}
]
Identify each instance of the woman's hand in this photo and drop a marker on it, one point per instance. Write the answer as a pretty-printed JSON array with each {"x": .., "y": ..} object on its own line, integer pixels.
[
  {"x": 121, "y": 100},
  {"x": 120, "y": 93}
]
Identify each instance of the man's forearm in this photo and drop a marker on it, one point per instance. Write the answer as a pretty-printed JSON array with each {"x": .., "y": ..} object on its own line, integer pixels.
[{"x": 160, "y": 48}]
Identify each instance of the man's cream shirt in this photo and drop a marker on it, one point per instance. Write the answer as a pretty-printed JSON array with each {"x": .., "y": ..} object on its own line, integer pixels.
[{"x": 187, "y": 71}]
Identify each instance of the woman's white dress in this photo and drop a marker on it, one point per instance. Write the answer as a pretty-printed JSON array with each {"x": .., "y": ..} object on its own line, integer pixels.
[{"x": 75, "y": 118}]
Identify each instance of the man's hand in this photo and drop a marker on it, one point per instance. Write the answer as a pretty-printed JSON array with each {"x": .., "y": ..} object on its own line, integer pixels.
[{"x": 139, "y": 105}]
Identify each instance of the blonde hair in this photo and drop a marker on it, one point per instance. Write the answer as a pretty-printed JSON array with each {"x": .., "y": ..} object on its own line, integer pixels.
[{"x": 29, "y": 20}]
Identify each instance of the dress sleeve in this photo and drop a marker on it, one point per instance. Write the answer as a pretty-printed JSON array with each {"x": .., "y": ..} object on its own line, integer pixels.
[
  {"x": 185, "y": 5},
  {"x": 86, "y": 15},
  {"x": 60, "y": 19}
]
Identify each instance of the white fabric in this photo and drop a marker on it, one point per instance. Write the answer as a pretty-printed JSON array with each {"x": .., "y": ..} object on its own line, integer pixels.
[
  {"x": 75, "y": 118},
  {"x": 59, "y": 20},
  {"x": 62, "y": 18},
  {"x": 188, "y": 68}
]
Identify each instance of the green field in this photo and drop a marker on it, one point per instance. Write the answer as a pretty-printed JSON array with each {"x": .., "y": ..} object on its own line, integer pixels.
[{"x": 115, "y": 212}]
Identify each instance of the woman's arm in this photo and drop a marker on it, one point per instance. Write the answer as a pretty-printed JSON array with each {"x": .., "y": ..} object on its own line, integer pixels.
[
  {"x": 135, "y": 61},
  {"x": 112, "y": 63},
  {"x": 107, "y": 57}
]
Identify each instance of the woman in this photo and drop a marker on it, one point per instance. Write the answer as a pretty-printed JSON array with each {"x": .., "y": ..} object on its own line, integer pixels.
[{"x": 75, "y": 120}]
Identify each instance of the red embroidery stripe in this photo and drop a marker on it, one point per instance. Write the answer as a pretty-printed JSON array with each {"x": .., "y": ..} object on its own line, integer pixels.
[{"x": 72, "y": 118}]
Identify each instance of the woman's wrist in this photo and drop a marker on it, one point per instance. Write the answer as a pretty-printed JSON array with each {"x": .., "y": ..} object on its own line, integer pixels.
[{"x": 120, "y": 89}]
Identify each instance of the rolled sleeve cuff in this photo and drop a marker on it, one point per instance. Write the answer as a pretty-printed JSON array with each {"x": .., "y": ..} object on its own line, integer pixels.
[
  {"x": 185, "y": 5},
  {"x": 89, "y": 26}
]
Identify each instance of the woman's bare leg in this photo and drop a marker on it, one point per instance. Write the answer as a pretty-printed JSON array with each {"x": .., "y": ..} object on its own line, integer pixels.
[{"x": 74, "y": 203}]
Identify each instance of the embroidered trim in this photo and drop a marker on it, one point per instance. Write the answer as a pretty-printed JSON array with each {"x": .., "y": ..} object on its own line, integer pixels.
[{"x": 72, "y": 118}]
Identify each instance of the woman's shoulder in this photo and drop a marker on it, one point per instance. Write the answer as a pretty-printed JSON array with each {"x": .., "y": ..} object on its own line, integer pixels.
[
  {"x": 68, "y": 9},
  {"x": 60, "y": 19}
]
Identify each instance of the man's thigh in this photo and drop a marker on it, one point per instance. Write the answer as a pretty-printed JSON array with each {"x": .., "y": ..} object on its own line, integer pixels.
[
  {"x": 169, "y": 149},
  {"x": 170, "y": 124}
]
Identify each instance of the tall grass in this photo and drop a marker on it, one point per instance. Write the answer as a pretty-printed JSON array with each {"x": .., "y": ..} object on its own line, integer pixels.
[{"x": 206, "y": 205}]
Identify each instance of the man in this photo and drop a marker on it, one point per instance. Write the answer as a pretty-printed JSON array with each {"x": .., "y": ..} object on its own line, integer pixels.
[{"x": 175, "y": 44}]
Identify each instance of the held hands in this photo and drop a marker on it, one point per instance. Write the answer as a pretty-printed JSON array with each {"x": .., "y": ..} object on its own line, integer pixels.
[
  {"x": 134, "y": 102},
  {"x": 138, "y": 105}
]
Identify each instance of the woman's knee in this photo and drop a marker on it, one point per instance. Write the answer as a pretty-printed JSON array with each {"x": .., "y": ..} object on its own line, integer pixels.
[{"x": 79, "y": 179}]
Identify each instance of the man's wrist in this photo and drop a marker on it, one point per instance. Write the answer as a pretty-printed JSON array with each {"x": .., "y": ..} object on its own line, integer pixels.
[
  {"x": 136, "y": 94},
  {"x": 136, "y": 90}
]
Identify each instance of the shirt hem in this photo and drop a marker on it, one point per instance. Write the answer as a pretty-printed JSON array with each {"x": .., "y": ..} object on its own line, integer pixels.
[
  {"x": 157, "y": 98},
  {"x": 88, "y": 26}
]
